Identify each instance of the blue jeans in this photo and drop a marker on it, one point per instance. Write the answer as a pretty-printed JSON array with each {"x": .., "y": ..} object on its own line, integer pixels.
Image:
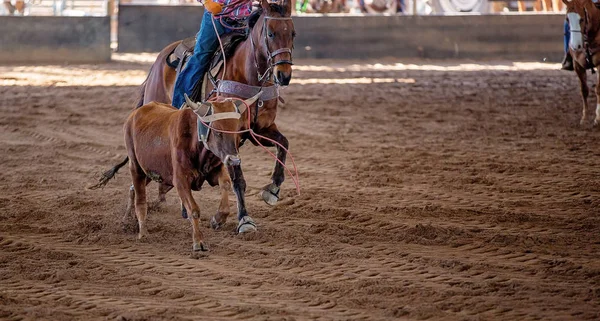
[
  {"x": 567, "y": 38},
  {"x": 206, "y": 44}
]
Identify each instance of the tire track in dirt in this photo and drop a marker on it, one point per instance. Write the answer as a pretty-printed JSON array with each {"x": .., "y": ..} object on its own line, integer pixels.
[
  {"x": 461, "y": 196},
  {"x": 154, "y": 274}
]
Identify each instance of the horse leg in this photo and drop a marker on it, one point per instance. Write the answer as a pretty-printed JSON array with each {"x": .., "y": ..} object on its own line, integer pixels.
[
  {"x": 183, "y": 184},
  {"x": 139, "y": 192},
  {"x": 597, "y": 120},
  {"x": 245, "y": 222},
  {"x": 581, "y": 73},
  {"x": 270, "y": 192},
  {"x": 217, "y": 221}
]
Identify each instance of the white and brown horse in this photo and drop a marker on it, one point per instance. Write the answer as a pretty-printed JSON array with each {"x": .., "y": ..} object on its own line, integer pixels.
[{"x": 584, "y": 21}]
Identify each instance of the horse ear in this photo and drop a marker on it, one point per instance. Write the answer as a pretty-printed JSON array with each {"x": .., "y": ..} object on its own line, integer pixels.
[
  {"x": 200, "y": 109},
  {"x": 248, "y": 102},
  {"x": 265, "y": 5}
]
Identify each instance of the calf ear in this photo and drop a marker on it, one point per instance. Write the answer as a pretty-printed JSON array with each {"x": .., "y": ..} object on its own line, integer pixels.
[
  {"x": 248, "y": 102},
  {"x": 199, "y": 109}
]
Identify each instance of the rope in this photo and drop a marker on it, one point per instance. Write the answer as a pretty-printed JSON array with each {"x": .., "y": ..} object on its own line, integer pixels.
[{"x": 295, "y": 176}]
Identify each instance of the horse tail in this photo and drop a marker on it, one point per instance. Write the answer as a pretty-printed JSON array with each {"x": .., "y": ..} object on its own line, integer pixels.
[
  {"x": 109, "y": 174},
  {"x": 142, "y": 91}
]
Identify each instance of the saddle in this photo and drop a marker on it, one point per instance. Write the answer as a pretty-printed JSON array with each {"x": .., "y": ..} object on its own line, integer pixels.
[{"x": 178, "y": 58}]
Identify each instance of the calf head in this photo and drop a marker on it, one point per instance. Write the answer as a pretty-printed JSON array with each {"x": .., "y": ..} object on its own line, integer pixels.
[{"x": 226, "y": 119}]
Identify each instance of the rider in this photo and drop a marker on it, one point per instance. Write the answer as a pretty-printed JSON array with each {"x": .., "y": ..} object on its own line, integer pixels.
[
  {"x": 226, "y": 14},
  {"x": 567, "y": 63}
]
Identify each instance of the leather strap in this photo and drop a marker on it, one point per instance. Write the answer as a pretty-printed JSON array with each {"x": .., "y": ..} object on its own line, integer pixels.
[{"x": 246, "y": 91}]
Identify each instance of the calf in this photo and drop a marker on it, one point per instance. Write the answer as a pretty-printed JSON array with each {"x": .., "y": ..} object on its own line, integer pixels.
[{"x": 164, "y": 145}]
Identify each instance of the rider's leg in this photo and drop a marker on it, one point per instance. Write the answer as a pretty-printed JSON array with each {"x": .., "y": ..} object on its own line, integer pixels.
[
  {"x": 206, "y": 44},
  {"x": 567, "y": 63}
]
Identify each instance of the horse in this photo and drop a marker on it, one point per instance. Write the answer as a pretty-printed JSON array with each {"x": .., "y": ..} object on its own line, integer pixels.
[
  {"x": 163, "y": 145},
  {"x": 263, "y": 61},
  {"x": 584, "y": 21}
]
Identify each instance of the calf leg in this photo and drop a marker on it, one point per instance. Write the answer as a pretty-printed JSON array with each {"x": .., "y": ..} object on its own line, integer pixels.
[
  {"x": 141, "y": 207},
  {"x": 184, "y": 189},
  {"x": 581, "y": 73},
  {"x": 129, "y": 211},
  {"x": 163, "y": 189},
  {"x": 217, "y": 221}
]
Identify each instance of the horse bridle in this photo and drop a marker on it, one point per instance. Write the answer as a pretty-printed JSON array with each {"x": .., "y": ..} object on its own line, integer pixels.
[
  {"x": 584, "y": 35},
  {"x": 270, "y": 55}
]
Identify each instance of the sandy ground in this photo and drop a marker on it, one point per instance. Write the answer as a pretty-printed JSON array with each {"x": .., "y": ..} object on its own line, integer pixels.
[{"x": 430, "y": 191}]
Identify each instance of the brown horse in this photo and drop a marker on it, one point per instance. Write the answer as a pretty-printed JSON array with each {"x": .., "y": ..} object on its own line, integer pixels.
[
  {"x": 584, "y": 21},
  {"x": 163, "y": 145},
  {"x": 261, "y": 62}
]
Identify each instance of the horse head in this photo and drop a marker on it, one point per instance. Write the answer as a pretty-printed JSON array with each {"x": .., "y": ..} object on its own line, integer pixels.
[
  {"x": 582, "y": 17},
  {"x": 224, "y": 123},
  {"x": 273, "y": 39}
]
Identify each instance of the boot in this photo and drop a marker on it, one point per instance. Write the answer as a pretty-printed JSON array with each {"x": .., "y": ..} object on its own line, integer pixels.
[
  {"x": 567, "y": 63},
  {"x": 196, "y": 94}
]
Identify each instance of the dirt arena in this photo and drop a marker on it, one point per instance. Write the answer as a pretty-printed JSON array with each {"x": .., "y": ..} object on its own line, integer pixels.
[{"x": 430, "y": 191}]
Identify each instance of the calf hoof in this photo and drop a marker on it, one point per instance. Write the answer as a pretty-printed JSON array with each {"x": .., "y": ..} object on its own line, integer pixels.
[
  {"x": 270, "y": 194},
  {"x": 214, "y": 224},
  {"x": 246, "y": 225},
  {"x": 200, "y": 247}
]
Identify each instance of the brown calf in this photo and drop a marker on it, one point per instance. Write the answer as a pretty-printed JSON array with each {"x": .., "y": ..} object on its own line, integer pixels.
[{"x": 163, "y": 145}]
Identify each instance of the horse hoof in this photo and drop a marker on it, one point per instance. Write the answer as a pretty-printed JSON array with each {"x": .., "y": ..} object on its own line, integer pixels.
[
  {"x": 200, "y": 247},
  {"x": 246, "y": 225},
  {"x": 270, "y": 194}
]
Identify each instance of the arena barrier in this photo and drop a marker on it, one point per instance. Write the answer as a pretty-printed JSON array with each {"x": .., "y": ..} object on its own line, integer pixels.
[
  {"x": 144, "y": 28},
  {"x": 514, "y": 37},
  {"x": 33, "y": 39}
]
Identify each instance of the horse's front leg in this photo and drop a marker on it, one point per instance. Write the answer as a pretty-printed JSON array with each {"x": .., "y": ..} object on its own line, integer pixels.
[
  {"x": 581, "y": 73},
  {"x": 270, "y": 192},
  {"x": 245, "y": 222},
  {"x": 597, "y": 119}
]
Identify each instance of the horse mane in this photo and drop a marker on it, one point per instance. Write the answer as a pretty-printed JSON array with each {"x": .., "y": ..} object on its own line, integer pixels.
[
  {"x": 282, "y": 10},
  {"x": 254, "y": 17}
]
